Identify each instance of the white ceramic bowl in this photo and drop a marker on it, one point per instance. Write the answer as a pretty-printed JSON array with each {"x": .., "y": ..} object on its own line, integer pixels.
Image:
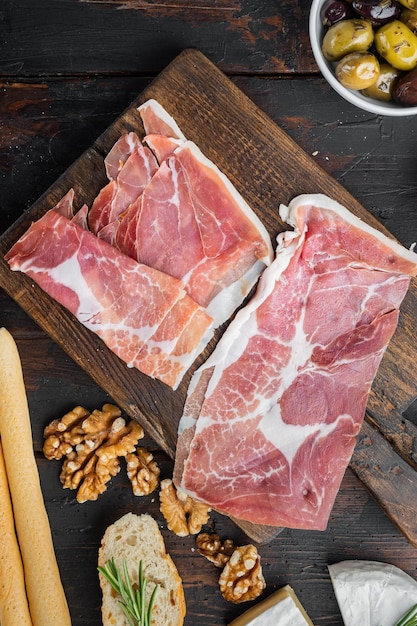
[{"x": 327, "y": 69}]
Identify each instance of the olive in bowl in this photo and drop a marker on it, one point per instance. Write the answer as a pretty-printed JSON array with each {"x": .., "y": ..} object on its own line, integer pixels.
[{"x": 358, "y": 37}]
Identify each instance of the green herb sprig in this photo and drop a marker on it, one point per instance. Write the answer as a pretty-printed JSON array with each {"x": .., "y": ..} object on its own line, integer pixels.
[
  {"x": 410, "y": 618},
  {"x": 133, "y": 601}
]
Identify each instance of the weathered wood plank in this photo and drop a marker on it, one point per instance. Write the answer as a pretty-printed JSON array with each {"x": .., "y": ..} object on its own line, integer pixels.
[
  {"x": 138, "y": 37},
  {"x": 389, "y": 478}
]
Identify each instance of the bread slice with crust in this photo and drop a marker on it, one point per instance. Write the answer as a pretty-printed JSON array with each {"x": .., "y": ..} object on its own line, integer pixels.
[{"x": 137, "y": 538}]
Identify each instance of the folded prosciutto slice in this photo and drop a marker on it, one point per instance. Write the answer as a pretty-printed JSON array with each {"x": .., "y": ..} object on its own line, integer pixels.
[
  {"x": 157, "y": 121},
  {"x": 143, "y": 315},
  {"x": 129, "y": 166},
  {"x": 189, "y": 221},
  {"x": 270, "y": 420}
]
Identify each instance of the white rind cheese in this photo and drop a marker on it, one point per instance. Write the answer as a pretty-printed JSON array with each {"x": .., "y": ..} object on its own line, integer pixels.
[
  {"x": 282, "y": 608},
  {"x": 371, "y": 593}
]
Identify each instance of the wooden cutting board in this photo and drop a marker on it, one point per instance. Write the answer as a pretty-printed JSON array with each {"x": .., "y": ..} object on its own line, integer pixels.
[{"x": 268, "y": 168}]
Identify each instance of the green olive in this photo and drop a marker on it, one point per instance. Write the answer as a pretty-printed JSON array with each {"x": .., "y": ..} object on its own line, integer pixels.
[
  {"x": 409, "y": 18},
  {"x": 358, "y": 70},
  {"x": 347, "y": 36},
  {"x": 409, "y": 4},
  {"x": 383, "y": 88},
  {"x": 397, "y": 44}
]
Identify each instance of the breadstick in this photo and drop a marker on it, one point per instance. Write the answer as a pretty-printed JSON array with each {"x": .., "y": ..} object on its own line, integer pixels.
[
  {"x": 14, "y": 607},
  {"x": 47, "y": 602}
]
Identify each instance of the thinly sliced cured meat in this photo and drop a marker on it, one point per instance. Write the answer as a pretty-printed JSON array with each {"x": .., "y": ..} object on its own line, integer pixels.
[
  {"x": 184, "y": 218},
  {"x": 270, "y": 421},
  {"x": 157, "y": 121},
  {"x": 132, "y": 178},
  {"x": 65, "y": 207},
  {"x": 120, "y": 152},
  {"x": 162, "y": 146},
  {"x": 163, "y": 135},
  {"x": 135, "y": 309},
  {"x": 81, "y": 217},
  {"x": 191, "y": 223},
  {"x": 209, "y": 236}
]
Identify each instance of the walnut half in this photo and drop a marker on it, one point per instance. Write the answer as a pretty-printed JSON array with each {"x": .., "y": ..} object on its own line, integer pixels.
[
  {"x": 92, "y": 444},
  {"x": 242, "y": 578},
  {"x": 184, "y": 516},
  {"x": 143, "y": 472},
  {"x": 216, "y": 551}
]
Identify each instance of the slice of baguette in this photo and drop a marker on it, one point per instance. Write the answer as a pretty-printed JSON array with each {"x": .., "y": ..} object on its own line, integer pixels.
[{"x": 137, "y": 538}]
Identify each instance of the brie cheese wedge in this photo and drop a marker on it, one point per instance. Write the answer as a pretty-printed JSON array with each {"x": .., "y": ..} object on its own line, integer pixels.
[
  {"x": 281, "y": 608},
  {"x": 371, "y": 593}
]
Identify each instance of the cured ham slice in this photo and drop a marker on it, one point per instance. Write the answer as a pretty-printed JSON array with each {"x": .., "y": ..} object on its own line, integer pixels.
[
  {"x": 157, "y": 121},
  {"x": 129, "y": 178},
  {"x": 271, "y": 417},
  {"x": 163, "y": 135},
  {"x": 191, "y": 223},
  {"x": 143, "y": 315},
  {"x": 180, "y": 214},
  {"x": 162, "y": 146},
  {"x": 209, "y": 237},
  {"x": 119, "y": 154}
]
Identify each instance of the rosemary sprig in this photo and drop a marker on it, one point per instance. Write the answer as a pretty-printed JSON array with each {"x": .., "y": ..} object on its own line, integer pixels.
[
  {"x": 410, "y": 618},
  {"x": 133, "y": 601}
]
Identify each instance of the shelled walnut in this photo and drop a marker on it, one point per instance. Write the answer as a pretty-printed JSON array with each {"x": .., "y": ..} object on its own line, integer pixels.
[
  {"x": 92, "y": 444},
  {"x": 216, "y": 551},
  {"x": 143, "y": 472},
  {"x": 62, "y": 435},
  {"x": 184, "y": 515},
  {"x": 242, "y": 578}
]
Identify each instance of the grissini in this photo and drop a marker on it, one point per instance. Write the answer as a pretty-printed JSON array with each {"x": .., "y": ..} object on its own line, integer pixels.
[
  {"x": 47, "y": 601},
  {"x": 14, "y": 607}
]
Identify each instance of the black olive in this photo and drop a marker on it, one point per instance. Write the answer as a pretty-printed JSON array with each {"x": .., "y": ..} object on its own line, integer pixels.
[
  {"x": 336, "y": 10},
  {"x": 377, "y": 11},
  {"x": 405, "y": 92}
]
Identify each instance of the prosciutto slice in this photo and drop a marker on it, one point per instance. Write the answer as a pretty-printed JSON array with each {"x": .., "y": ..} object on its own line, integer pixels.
[
  {"x": 130, "y": 166},
  {"x": 143, "y": 315},
  {"x": 271, "y": 417},
  {"x": 178, "y": 213},
  {"x": 192, "y": 224},
  {"x": 157, "y": 121},
  {"x": 126, "y": 145}
]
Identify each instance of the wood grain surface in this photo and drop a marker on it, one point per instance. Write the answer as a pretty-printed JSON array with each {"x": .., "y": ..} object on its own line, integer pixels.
[
  {"x": 68, "y": 68},
  {"x": 268, "y": 167},
  {"x": 134, "y": 37}
]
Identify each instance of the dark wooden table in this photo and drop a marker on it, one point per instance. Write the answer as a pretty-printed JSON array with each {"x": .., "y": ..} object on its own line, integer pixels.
[{"x": 68, "y": 69}]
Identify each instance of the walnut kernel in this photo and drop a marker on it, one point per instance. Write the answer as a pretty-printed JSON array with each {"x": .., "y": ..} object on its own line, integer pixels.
[
  {"x": 242, "y": 578},
  {"x": 143, "y": 472},
  {"x": 184, "y": 515},
  {"x": 216, "y": 551},
  {"x": 92, "y": 444}
]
